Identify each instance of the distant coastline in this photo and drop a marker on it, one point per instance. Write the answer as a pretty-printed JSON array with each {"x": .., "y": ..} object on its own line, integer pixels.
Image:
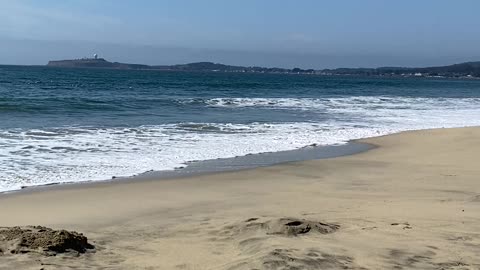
[{"x": 469, "y": 70}]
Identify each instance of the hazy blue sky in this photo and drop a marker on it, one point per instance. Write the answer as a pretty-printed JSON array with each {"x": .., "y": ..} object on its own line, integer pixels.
[{"x": 305, "y": 33}]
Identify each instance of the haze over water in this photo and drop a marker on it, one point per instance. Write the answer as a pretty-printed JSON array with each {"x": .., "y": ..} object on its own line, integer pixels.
[{"x": 63, "y": 125}]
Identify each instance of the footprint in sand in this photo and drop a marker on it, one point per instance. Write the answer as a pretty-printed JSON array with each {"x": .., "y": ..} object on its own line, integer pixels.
[{"x": 406, "y": 225}]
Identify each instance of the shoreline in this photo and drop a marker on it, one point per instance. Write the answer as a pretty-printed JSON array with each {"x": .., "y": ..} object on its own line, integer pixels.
[
  {"x": 207, "y": 167},
  {"x": 362, "y": 145},
  {"x": 412, "y": 202},
  {"x": 356, "y": 146}
]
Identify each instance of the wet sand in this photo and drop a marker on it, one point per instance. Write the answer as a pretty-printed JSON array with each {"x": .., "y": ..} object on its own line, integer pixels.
[{"x": 412, "y": 202}]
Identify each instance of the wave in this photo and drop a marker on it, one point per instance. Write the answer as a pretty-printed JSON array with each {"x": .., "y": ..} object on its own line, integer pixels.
[
  {"x": 120, "y": 104},
  {"x": 361, "y": 102}
]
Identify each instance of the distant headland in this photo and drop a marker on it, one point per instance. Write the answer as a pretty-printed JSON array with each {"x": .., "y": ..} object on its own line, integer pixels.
[
  {"x": 94, "y": 63},
  {"x": 463, "y": 70}
]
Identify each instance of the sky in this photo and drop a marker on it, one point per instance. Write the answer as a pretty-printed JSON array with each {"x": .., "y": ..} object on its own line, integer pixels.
[{"x": 302, "y": 33}]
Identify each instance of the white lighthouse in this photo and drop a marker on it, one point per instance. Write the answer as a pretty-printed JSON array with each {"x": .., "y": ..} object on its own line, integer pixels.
[{"x": 95, "y": 56}]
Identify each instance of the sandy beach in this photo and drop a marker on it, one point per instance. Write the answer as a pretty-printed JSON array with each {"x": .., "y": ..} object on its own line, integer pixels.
[{"x": 411, "y": 203}]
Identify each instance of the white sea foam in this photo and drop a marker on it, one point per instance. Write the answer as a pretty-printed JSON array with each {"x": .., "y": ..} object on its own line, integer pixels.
[
  {"x": 71, "y": 154},
  {"x": 360, "y": 102}
]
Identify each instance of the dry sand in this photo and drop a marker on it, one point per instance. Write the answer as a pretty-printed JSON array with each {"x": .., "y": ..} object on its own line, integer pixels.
[{"x": 413, "y": 202}]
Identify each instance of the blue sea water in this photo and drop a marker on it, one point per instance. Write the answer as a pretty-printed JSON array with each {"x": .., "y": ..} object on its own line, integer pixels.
[{"x": 67, "y": 125}]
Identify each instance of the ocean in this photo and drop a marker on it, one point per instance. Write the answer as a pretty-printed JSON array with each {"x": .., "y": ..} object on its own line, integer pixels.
[{"x": 71, "y": 125}]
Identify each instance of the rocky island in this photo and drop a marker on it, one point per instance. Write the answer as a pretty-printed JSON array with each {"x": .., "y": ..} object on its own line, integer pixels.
[{"x": 94, "y": 63}]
